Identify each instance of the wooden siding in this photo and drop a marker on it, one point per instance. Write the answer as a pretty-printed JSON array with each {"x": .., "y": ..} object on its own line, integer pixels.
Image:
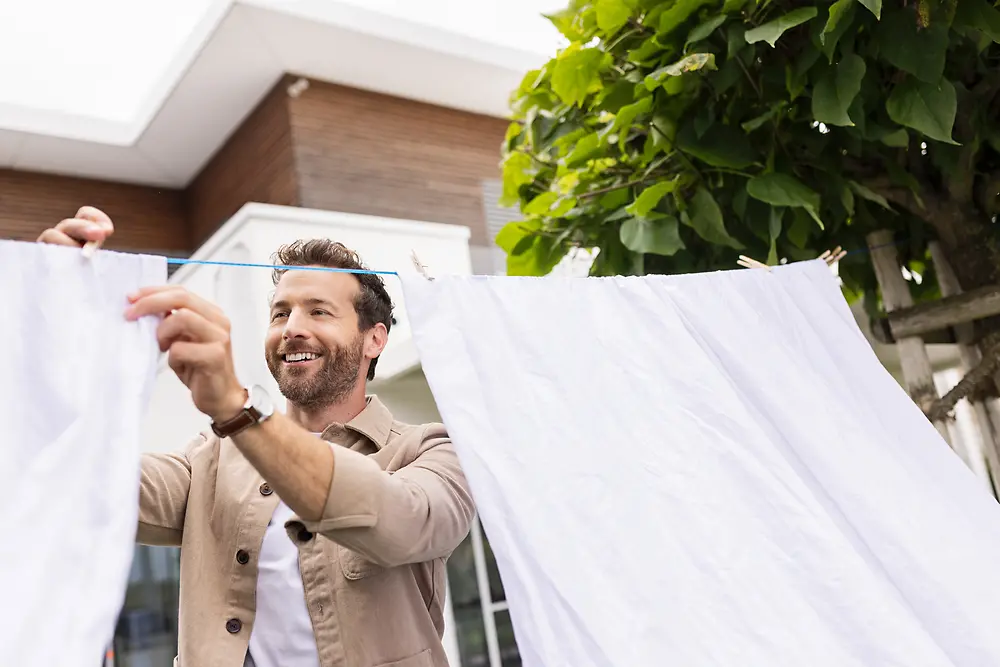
[
  {"x": 256, "y": 164},
  {"x": 332, "y": 148},
  {"x": 146, "y": 219},
  {"x": 363, "y": 152}
]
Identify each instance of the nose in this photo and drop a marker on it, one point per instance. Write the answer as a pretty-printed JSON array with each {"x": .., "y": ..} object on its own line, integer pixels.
[{"x": 295, "y": 325}]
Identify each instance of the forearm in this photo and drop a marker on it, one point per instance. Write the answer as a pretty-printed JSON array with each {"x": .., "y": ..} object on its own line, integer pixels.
[{"x": 297, "y": 464}]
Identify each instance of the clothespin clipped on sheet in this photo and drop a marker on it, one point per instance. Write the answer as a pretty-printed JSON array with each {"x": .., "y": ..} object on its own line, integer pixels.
[
  {"x": 831, "y": 257},
  {"x": 751, "y": 263},
  {"x": 420, "y": 266},
  {"x": 90, "y": 248}
]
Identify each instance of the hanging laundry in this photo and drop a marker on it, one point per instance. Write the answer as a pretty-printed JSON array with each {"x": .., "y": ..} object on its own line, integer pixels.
[
  {"x": 708, "y": 469},
  {"x": 74, "y": 381}
]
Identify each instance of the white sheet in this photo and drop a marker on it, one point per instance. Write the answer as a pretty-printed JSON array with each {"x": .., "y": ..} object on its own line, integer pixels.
[
  {"x": 707, "y": 470},
  {"x": 74, "y": 379}
]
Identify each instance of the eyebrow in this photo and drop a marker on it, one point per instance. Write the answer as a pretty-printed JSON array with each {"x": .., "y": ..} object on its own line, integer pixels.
[{"x": 313, "y": 301}]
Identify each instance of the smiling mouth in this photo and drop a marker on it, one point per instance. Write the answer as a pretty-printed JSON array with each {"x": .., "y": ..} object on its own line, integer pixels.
[{"x": 296, "y": 358}]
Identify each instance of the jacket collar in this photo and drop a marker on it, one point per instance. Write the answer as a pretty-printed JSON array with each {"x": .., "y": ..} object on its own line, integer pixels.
[{"x": 374, "y": 422}]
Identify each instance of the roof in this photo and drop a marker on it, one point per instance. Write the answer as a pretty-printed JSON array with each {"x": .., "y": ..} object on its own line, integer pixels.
[{"x": 234, "y": 56}]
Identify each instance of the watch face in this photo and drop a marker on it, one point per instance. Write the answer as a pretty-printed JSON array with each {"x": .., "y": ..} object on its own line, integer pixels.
[{"x": 260, "y": 401}]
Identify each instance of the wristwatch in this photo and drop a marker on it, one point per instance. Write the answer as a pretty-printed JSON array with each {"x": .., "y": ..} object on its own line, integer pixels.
[{"x": 257, "y": 409}]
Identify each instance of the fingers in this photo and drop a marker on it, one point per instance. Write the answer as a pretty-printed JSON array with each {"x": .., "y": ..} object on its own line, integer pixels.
[
  {"x": 184, "y": 356},
  {"x": 56, "y": 237},
  {"x": 188, "y": 326},
  {"x": 89, "y": 224},
  {"x": 164, "y": 299}
]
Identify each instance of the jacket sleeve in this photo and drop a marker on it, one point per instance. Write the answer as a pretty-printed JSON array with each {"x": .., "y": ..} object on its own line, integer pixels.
[
  {"x": 163, "y": 493},
  {"x": 418, "y": 513}
]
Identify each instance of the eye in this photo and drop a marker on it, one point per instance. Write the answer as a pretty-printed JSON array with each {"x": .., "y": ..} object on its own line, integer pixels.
[
  {"x": 319, "y": 311},
  {"x": 278, "y": 314}
]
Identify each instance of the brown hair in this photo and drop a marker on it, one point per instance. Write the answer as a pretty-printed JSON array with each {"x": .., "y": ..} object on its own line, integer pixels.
[{"x": 372, "y": 304}]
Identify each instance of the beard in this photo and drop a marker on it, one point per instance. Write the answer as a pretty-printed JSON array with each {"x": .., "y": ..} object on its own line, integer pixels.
[{"x": 333, "y": 381}]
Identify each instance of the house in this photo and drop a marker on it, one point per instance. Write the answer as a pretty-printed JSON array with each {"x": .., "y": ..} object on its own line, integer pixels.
[{"x": 279, "y": 120}]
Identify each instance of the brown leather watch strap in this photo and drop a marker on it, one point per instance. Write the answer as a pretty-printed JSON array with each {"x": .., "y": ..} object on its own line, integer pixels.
[{"x": 245, "y": 419}]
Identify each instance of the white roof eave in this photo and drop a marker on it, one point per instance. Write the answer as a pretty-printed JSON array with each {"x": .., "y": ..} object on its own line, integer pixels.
[{"x": 232, "y": 59}]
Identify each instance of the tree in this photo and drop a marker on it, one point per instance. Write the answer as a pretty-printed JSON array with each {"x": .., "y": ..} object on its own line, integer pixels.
[{"x": 674, "y": 135}]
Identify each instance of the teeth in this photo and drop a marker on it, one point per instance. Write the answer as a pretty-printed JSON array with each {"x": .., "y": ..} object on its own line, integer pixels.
[{"x": 301, "y": 356}]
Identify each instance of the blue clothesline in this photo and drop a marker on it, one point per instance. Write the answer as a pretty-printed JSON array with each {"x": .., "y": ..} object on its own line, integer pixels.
[{"x": 177, "y": 260}]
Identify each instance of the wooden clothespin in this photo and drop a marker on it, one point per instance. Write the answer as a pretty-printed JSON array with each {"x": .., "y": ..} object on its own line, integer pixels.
[
  {"x": 752, "y": 263},
  {"x": 831, "y": 257},
  {"x": 90, "y": 248},
  {"x": 420, "y": 266}
]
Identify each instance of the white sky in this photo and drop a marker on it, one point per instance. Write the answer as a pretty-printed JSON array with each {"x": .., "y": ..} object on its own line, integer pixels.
[{"x": 102, "y": 58}]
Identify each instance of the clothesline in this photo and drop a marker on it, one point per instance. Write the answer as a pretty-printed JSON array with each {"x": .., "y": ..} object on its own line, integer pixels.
[{"x": 178, "y": 260}]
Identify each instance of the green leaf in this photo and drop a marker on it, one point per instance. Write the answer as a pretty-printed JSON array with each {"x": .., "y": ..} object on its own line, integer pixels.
[
  {"x": 649, "y": 198},
  {"x": 978, "y": 14},
  {"x": 612, "y": 15},
  {"x": 862, "y": 191},
  {"x": 704, "y": 30},
  {"x": 575, "y": 72},
  {"x": 660, "y": 237},
  {"x": 800, "y": 229},
  {"x": 897, "y": 139},
  {"x": 774, "y": 231},
  {"x": 772, "y": 30},
  {"x": 678, "y": 13},
  {"x": 783, "y": 190},
  {"x": 919, "y": 51},
  {"x": 575, "y": 23},
  {"x": 538, "y": 259},
  {"x": 518, "y": 170},
  {"x": 549, "y": 204},
  {"x": 691, "y": 63},
  {"x": 836, "y": 91},
  {"x": 513, "y": 233},
  {"x": 625, "y": 117},
  {"x": 705, "y": 217},
  {"x": 754, "y": 123},
  {"x": 719, "y": 146},
  {"x": 838, "y": 22},
  {"x": 927, "y": 108},
  {"x": 839, "y": 11},
  {"x": 586, "y": 148},
  {"x": 875, "y": 7}
]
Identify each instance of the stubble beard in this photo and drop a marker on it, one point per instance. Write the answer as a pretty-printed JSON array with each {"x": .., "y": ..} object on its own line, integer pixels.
[{"x": 331, "y": 383}]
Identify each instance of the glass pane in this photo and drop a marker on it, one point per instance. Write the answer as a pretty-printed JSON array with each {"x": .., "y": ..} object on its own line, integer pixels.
[
  {"x": 496, "y": 586},
  {"x": 467, "y": 606},
  {"x": 146, "y": 634},
  {"x": 509, "y": 656}
]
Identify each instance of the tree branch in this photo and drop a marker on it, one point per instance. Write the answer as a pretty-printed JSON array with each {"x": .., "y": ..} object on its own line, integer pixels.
[{"x": 941, "y": 408}]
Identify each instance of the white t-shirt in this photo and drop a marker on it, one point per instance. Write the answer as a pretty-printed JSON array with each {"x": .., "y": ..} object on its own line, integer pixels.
[{"x": 282, "y": 632}]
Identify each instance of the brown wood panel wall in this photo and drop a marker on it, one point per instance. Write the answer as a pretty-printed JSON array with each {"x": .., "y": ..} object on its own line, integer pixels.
[
  {"x": 256, "y": 164},
  {"x": 363, "y": 152},
  {"x": 146, "y": 219},
  {"x": 332, "y": 148}
]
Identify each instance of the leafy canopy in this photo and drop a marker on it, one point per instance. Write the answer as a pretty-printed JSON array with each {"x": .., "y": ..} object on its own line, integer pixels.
[{"x": 674, "y": 135}]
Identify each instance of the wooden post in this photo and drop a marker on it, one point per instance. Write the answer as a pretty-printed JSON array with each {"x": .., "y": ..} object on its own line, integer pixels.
[
  {"x": 970, "y": 356},
  {"x": 917, "y": 373}
]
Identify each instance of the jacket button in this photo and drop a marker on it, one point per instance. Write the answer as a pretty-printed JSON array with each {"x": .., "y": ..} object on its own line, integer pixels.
[
  {"x": 242, "y": 557},
  {"x": 265, "y": 489},
  {"x": 233, "y": 626},
  {"x": 305, "y": 535}
]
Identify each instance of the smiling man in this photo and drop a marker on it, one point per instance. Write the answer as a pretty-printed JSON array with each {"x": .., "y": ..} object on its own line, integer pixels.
[{"x": 314, "y": 538}]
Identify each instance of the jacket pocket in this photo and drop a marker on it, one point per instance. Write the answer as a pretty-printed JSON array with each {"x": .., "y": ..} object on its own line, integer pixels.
[
  {"x": 355, "y": 566},
  {"x": 422, "y": 659}
]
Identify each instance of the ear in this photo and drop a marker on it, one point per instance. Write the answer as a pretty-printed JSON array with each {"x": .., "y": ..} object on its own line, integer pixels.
[{"x": 375, "y": 340}]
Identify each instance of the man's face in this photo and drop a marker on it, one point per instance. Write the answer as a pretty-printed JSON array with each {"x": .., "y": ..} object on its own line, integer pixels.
[{"x": 313, "y": 346}]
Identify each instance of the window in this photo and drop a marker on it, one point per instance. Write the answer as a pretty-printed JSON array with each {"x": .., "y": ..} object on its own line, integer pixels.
[
  {"x": 146, "y": 634},
  {"x": 482, "y": 620}
]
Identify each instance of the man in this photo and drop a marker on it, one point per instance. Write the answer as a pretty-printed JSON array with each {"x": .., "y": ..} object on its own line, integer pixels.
[{"x": 315, "y": 538}]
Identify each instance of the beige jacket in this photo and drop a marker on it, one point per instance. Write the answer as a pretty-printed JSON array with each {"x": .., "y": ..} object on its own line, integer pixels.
[{"x": 373, "y": 567}]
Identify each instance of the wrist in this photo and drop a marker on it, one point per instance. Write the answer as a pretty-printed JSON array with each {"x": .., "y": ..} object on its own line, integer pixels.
[{"x": 231, "y": 407}]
